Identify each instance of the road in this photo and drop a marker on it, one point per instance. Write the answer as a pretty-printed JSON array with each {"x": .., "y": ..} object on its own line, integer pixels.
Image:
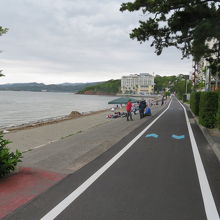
[{"x": 162, "y": 170}]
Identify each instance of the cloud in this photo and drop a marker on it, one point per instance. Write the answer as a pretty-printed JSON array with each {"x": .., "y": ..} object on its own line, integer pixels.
[{"x": 80, "y": 40}]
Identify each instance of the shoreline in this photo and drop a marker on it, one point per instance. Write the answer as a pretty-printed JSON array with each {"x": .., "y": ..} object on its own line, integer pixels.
[
  {"x": 21, "y": 125},
  {"x": 30, "y": 137},
  {"x": 94, "y": 129},
  {"x": 54, "y": 120},
  {"x": 50, "y": 121}
]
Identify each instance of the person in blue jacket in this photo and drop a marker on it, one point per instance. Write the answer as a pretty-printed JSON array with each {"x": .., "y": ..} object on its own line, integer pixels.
[{"x": 147, "y": 111}]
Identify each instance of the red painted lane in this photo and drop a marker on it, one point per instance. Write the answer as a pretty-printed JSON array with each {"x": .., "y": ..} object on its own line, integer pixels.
[{"x": 23, "y": 186}]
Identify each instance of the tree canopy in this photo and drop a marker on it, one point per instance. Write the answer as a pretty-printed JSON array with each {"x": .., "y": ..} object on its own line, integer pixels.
[
  {"x": 163, "y": 82},
  {"x": 1, "y": 73},
  {"x": 108, "y": 87},
  {"x": 2, "y": 31},
  {"x": 186, "y": 25},
  {"x": 175, "y": 84}
]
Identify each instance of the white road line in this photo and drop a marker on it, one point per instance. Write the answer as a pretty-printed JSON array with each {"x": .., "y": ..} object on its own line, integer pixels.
[
  {"x": 76, "y": 193},
  {"x": 208, "y": 200}
]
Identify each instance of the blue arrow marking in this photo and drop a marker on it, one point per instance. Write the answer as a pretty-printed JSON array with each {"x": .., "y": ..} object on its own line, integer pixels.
[
  {"x": 178, "y": 137},
  {"x": 152, "y": 135}
]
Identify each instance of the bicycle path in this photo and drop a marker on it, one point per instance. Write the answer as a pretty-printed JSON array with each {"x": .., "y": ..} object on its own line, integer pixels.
[{"x": 154, "y": 173}]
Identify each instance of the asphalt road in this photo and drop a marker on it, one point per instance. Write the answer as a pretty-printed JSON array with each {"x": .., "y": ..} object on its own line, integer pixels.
[{"x": 156, "y": 174}]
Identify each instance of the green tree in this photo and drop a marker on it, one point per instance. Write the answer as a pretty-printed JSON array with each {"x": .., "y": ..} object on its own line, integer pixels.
[
  {"x": 8, "y": 159},
  {"x": 181, "y": 84},
  {"x": 109, "y": 87},
  {"x": 2, "y": 31},
  {"x": 163, "y": 82},
  {"x": 186, "y": 25},
  {"x": 1, "y": 73}
]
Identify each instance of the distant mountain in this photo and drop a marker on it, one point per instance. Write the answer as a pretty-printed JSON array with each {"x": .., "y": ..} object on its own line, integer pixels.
[
  {"x": 70, "y": 84},
  {"x": 110, "y": 87},
  {"x": 38, "y": 87}
]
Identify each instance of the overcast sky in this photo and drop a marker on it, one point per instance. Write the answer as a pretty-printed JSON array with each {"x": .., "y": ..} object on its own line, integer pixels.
[{"x": 56, "y": 41}]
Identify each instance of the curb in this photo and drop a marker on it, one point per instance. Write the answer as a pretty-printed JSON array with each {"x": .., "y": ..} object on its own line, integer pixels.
[{"x": 215, "y": 146}]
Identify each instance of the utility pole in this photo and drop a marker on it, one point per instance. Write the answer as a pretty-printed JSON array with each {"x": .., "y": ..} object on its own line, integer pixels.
[
  {"x": 217, "y": 68},
  {"x": 209, "y": 80},
  {"x": 194, "y": 75}
]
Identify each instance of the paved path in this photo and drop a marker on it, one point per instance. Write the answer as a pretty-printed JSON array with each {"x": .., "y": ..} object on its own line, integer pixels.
[
  {"x": 154, "y": 173},
  {"x": 68, "y": 154},
  {"x": 44, "y": 166}
]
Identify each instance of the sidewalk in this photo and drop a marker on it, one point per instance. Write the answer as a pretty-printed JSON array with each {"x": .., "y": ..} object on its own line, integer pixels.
[
  {"x": 45, "y": 165},
  {"x": 36, "y": 137},
  {"x": 212, "y": 135},
  {"x": 213, "y": 138}
]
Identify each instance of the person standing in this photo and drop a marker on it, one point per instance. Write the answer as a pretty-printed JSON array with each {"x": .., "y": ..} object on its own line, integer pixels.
[
  {"x": 133, "y": 109},
  {"x": 128, "y": 109},
  {"x": 162, "y": 101},
  {"x": 142, "y": 106}
]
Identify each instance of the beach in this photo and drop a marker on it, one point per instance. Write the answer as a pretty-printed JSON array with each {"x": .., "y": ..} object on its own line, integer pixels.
[
  {"x": 67, "y": 145},
  {"x": 36, "y": 135},
  {"x": 54, "y": 150}
]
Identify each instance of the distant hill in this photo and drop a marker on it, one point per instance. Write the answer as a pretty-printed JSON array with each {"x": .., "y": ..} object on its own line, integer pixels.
[
  {"x": 38, "y": 87},
  {"x": 110, "y": 87}
]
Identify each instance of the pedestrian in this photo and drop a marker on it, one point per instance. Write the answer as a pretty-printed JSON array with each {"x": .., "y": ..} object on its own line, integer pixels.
[
  {"x": 128, "y": 109},
  {"x": 142, "y": 106},
  {"x": 162, "y": 101},
  {"x": 133, "y": 109},
  {"x": 147, "y": 111}
]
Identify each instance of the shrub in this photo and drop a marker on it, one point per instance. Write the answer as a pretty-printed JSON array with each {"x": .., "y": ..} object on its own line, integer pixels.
[
  {"x": 184, "y": 98},
  {"x": 8, "y": 160},
  {"x": 167, "y": 93},
  {"x": 192, "y": 100},
  {"x": 195, "y": 102},
  {"x": 208, "y": 109}
]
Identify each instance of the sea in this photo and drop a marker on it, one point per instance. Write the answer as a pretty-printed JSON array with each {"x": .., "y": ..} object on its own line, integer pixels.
[{"x": 18, "y": 108}]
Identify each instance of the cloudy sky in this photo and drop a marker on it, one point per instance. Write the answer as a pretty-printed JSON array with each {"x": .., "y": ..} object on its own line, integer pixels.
[{"x": 56, "y": 41}]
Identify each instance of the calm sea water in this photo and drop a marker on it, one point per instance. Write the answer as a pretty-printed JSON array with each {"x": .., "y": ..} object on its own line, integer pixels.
[{"x": 18, "y": 108}]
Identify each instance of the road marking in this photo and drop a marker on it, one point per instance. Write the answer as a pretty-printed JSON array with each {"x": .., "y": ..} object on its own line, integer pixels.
[
  {"x": 152, "y": 135},
  {"x": 52, "y": 214},
  {"x": 208, "y": 200},
  {"x": 178, "y": 137}
]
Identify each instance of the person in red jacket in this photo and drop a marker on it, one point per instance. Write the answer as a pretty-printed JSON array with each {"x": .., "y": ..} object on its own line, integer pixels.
[{"x": 128, "y": 109}]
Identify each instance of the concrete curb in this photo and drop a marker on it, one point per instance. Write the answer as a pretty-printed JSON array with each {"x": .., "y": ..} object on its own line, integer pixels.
[{"x": 215, "y": 146}]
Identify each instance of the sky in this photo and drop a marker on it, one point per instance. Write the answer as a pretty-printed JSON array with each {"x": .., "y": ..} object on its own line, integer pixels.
[{"x": 57, "y": 41}]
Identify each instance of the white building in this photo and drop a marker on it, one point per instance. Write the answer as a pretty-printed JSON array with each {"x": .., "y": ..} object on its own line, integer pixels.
[
  {"x": 203, "y": 71},
  {"x": 137, "y": 84}
]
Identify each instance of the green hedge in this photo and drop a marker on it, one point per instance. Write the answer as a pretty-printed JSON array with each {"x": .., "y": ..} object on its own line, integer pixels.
[
  {"x": 8, "y": 160},
  {"x": 184, "y": 97},
  {"x": 195, "y": 102},
  {"x": 208, "y": 109}
]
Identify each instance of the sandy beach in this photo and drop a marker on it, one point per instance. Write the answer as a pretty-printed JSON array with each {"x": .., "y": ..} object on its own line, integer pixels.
[
  {"x": 65, "y": 146},
  {"x": 35, "y": 135},
  {"x": 31, "y": 136}
]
